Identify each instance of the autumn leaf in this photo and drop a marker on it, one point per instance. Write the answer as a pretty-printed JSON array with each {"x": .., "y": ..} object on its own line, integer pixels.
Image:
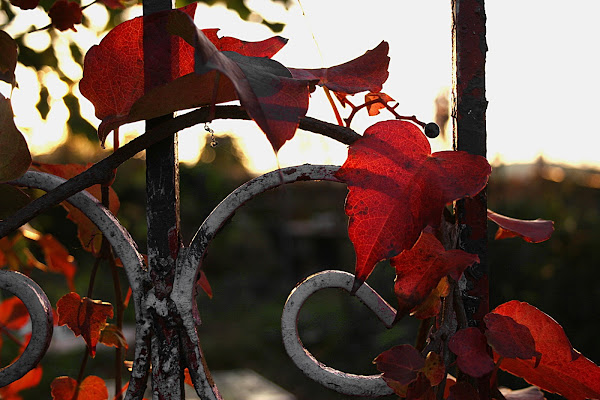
[
  {"x": 15, "y": 158},
  {"x": 91, "y": 388},
  {"x": 561, "y": 368},
  {"x": 58, "y": 258},
  {"x": 508, "y": 338},
  {"x": 84, "y": 316},
  {"x": 65, "y": 14},
  {"x": 25, "y": 4},
  {"x": 13, "y": 314},
  {"x": 8, "y": 58},
  {"x": 266, "y": 48},
  {"x": 419, "y": 270},
  {"x": 431, "y": 306},
  {"x": 434, "y": 368},
  {"x": 470, "y": 347},
  {"x": 382, "y": 99},
  {"x": 11, "y": 200},
  {"x": 397, "y": 188},
  {"x": 463, "y": 391},
  {"x": 112, "y": 336},
  {"x": 29, "y": 380},
  {"x": 365, "y": 73},
  {"x": 533, "y": 231},
  {"x": 88, "y": 233},
  {"x": 400, "y": 364}
]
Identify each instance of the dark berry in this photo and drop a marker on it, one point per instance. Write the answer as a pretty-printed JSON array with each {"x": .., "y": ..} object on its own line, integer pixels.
[{"x": 432, "y": 130}]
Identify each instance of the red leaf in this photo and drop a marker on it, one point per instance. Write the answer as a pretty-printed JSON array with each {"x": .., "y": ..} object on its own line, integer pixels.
[
  {"x": 203, "y": 283},
  {"x": 367, "y": 72},
  {"x": 15, "y": 158},
  {"x": 431, "y": 306},
  {"x": 25, "y": 4},
  {"x": 29, "y": 380},
  {"x": 266, "y": 48},
  {"x": 58, "y": 258},
  {"x": 373, "y": 109},
  {"x": 114, "y": 74},
  {"x": 561, "y": 369},
  {"x": 112, "y": 336},
  {"x": 397, "y": 188},
  {"x": 533, "y": 231},
  {"x": 419, "y": 270},
  {"x": 84, "y": 316},
  {"x": 470, "y": 348},
  {"x": 400, "y": 363},
  {"x": 13, "y": 314},
  {"x": 509, "y": 338},
  {"x": 463, "y": 391},
  {"x": 434, "y": 368},
  {"x": 89, "y": 235},
  {"x": 91, "y": 388},
  {"x": 65, "y": 14}
]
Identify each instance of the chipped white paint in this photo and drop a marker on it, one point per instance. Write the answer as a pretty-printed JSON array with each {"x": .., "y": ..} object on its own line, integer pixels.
[{"x": 342, "y": 382}]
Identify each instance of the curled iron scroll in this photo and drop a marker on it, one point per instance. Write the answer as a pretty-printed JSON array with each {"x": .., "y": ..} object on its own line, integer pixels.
[
  {"x": 342, "y": 382},
  {"x": 40, "y": 311}
]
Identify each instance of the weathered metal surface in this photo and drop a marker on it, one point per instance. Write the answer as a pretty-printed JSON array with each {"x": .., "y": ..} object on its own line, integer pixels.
[
  {"x": 40, "y": 311},
  {"x": 342, "y": 382}
]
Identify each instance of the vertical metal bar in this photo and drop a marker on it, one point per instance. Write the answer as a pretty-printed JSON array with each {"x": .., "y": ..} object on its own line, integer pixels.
[
  {"x": 469, "y": 134},
  {"x": 162, "y": 211}
]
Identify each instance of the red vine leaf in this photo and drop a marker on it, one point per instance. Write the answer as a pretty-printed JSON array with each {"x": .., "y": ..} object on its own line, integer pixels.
[
  {"x": 432, "y": 305},
  {"x": 15, "y": 158},
  {"x": 13, "y": 314},
  {"x": 365, "y": 73},
  {"x": 419, "y": 270},
  {"x": 561, "y": 369},
  {"x": 373, "y": 109},
  {"x": 434, "y": 368},
  {"x": 112, "y": 336},
  {"x": 470, "y": 347},
  {"x": 88, "y": 233},
  {"x": 58, "y": 258},
  {"x": 91, "y": 388},
  {"x": 508, "y": 338},
  {"x": 400, "y": 364},
  {"x": 463, "y": 391},
  {"x": 65, "y": 14},
  {"x": 397, "y": 188},
  {"x": 25, "y": 4},
  {"x": 8, "y": 58},
  {"x": 533, "y": 231},
  {"x": 29, "y": 380},
  {"x": 266, "y": 48},
  {"x": 84, "y": 316}
]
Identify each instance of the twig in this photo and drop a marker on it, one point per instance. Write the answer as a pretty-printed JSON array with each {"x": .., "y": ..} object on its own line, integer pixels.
[{"x": 102, "y": 171}]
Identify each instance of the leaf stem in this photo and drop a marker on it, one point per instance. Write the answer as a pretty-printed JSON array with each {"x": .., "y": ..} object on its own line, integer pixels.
[{"x": 335, "y": 110}]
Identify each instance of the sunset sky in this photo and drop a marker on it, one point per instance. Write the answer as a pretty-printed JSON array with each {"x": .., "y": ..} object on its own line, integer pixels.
[{"x": 542, "y": 73}]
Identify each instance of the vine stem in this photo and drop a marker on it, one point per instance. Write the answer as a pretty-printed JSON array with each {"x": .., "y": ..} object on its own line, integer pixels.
[{"x": 102, "y": 171}]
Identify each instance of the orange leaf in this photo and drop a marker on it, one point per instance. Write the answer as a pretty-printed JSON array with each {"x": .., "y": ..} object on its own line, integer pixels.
[
  {"x": 373, "y": 109},
  {"x": 13, "y": 314},
  {"x": 112, "y": 336},
  {"x": 29, "y": 380},
  {"x": 91, "y": 388},
  {"x": 58, "y": 258},
  {"x": 84, "y": 316},
  {"x": 89, "y": 235}
]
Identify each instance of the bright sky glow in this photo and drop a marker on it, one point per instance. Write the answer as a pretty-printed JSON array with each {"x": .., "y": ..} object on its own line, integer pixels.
[{"x": 542, "y": 74}]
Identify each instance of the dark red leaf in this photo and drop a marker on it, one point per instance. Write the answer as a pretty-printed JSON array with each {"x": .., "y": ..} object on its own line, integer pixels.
[
  {"x": 463, "y": 391},
  {"x": 508, "y": 338},
  {"x": 470, "y": 347},
  {"x": 561, "y": 369},
  {"x": 84, "y": 316},
  {"x": 397, "y": 188},
  {"x": 419, "y": 270},
  {"x": 365, "y": 73},
  {"x": 25, "y": 4},
  {"x": 400, "y": 363},
  {"x": 533, "y": 231},
  {"x": 13, "y": 314},
  {"x": 266, "y": 48},
  {"x": 65, "y": 14}
]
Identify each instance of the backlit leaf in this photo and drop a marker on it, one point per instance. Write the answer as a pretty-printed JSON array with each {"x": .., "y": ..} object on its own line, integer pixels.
[
  {"x": 8, "y": 58},
  {"x": 58, "y": 258},
  {"x": 89, "y": 235},
  {"x": 112, "y": 336},
  {"x": 509, "y": 338},
  {"x": 15, "y": 158},
  {"x": 561, "y": 369},
  {"x": 470, "y": 347},
  {"x": 13, "y": 314},
  {"x": 29, "y": 380},
  {"x": 373, "y": 109},
  {"x": 91, "y": 388},
  {"x": 533, "y": 231},
  {"x": 84, "y": 316},
  {"x": 419, "y": 270},
  {"x": 400, "y": 363},
  {"x": 397, "y": 188},
  {"x": 65, "y": 14},
  {"x": 266, "y": 48},
  {"x": 365, "y": 73},
  {"x": 433, "y": 303}
]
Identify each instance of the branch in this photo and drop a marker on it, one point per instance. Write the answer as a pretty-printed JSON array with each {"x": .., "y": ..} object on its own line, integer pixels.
[{"x": 102, "y": 171}]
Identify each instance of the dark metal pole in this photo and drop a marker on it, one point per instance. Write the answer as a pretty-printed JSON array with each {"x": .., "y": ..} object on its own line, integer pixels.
[{"x": 162, "y": 210}]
